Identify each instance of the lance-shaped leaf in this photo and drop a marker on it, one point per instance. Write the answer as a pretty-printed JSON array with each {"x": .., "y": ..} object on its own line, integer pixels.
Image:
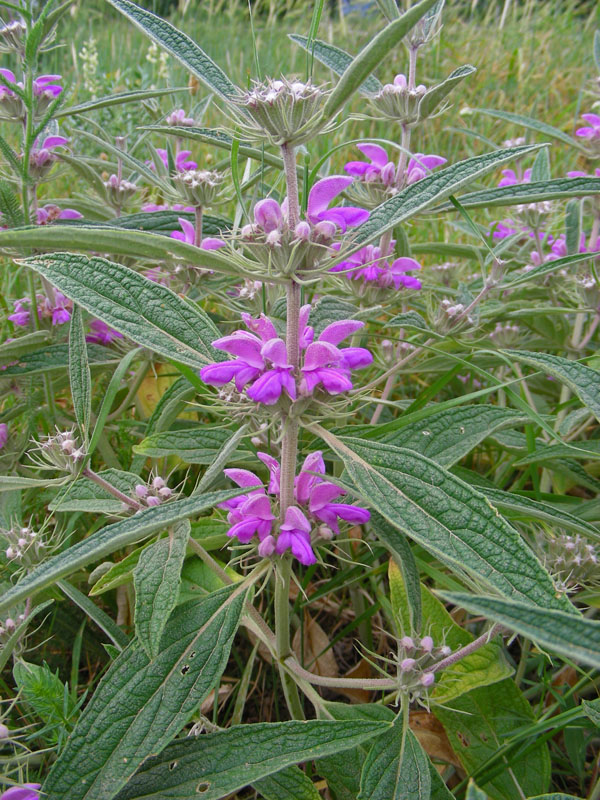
[
  {"x": 146, "y": 312},
  {"x": 447, "y": 517},
  {"x": 532, "y": 276},
  {"x": 431, "y": 99},
  {"x": 197, "y": 445},
  {"x": 167, "y": 221},
  {"x": 520, "y": 507},
  {"x": 526, "y": 193},
  {"x": 180, "y": 46},
  {"x": 117, "y": 99},
  {"x": 109, "y": 539},
  {"x": 541, "y": 170},
  {"x": 386, "y": 776},
  {"x": 287, "y": 784},
  {"x": 80, "y": 376},
  {"x": 11, "y": 351},
  {"x": 141, "y": 704},
  {"x": 581, "y": 380},
  {"x": 55, "y": 358},
  {"x": 532, "y": 124},
  {"x": 371, "y": 56},
  {"x": 336, "y": 59},
  {"x": 157, "y": 578},
  {"x": 215, "y": 765},
  {"x": 571, "y": 636},
  {"x": 404, "y": 561},
  {"x": 425, "y": 193}
]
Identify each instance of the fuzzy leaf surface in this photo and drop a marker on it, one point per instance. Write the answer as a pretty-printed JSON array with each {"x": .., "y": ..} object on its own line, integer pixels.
[
  {"x": 336, "y": 59},
  {"x": 197, "y": 445}
]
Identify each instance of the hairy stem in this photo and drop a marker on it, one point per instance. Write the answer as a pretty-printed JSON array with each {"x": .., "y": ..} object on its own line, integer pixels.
[
  {"x": 468, "y": 648},
  {"x": 198, "y": 226},
  {"x": 98, "y": 479}
]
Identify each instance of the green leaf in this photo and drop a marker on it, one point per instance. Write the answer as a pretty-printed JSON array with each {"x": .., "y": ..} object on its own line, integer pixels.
[
  {"x": 117, "y": 574},
  {"x": 109, "y": 395},
  {"x": 217, "y": 764},
  {"x": 146, "y": 312},
  {"x": 541, "y": 167},
  {"x": 534, "y": 192},
  {"x": 571, "y": 636},
  {"x": 9, "y": 483},
  {"x": 140, "y": 705},
  {"x": 597, "y": 49},
  {"x": 117, "y": 99},
  {"x": 371, "y": 56},
  {"x": 80, "y": 377},
  {"x": 336, "y": 59},
  {"x": 449, "y": 435},
  {"x": 591, "y": 711},
  {"x": 581, "y": 380},
  {"x": 445, "y": 516},
  {"x": 223, "y": 456},
  {"x": 479, "y": 723},
  {"x": 543, "y": 269},
  {"x": 9, "y": 643},
  {"x": 425, "y": 193},
  {"x": 157, "y": 578},
  {"x": 111, "y": 538},
  {"x": 167, "y": 221},
  {"x": 180, "y": 46},
  {"x": 47, "y": 695},
  {"x": 409, "y": 319},
  {"x": 386, "y": 777},
  {"x": 431, "y": 99},
  {"x": 9, "y": 351},
  {"x": 86, "y": 495},
  {"x": 474, "y": 792},
  {"x": 522, "y": 507},
  {"x": 573, "y": 226},
  {"x": 530, "y": 123},
  {"x": 102, "y": 620},
  {"x": 197, "y": 445},
  {"x": 55, "y": 358},
  {"x": 403, "y": 575},
  {"x": 288, "y": 784}
]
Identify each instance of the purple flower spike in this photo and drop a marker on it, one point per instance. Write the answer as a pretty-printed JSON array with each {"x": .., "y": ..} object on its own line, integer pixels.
[
  {"x": 29, "y": 791},
  {"x": 421, "y": 165},
  {"x": 3, "y": 434},
  {"x": 294, "y": 535},
  {"x": 321, "y": 195}
]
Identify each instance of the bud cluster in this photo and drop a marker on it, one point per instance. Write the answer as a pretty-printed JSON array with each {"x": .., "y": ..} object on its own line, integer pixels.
[
  {"x": 178, "y": 119},
  {"x": 119, "y": 190},
  {"x": 571, "y": 560},
  {"x": 281, "y": 111},
  {"x": 398, "y": 101},
  {"x": 416, "y": 662},
  {"x": 153, "y": 493},
  {"x": 505, "y": 335},
  {"x": 200, "y": 187},
  {"x": 12, "y": 36},
  {"x": 62, "y": 451},
  {"x": 25, "y": 546},
  {"x": 10, "y": 625}
]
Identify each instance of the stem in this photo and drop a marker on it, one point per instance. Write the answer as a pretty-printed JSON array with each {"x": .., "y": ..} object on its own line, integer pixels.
[
  {"x": 198, "y": 226},
  {"x": 413, "y": 54},
  {"x": 291, "y": 180},
  {"x": 468, "y": 648},
  {"x": 282, "y": 634},
  {"x": 590, "y": 332},
  {"x": 93, "y": 476},
  {"x": 522, "y": 667},
  {"x": 373, "y": 684}
]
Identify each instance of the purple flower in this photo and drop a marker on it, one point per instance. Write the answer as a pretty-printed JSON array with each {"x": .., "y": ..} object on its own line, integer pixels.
[
  {"x": 101, "y": 333},
  {"x": 151, "y": 207},
  {"x": 182, "y": 160},
  {"x": 3, "y": 434},
  {"x": 21, "y": 315},
  {"x": 580, "y": 174},
  {"x": 49, "y": 213},
  {"x": 380, "y": 169},
  {"x": 42, "y": 157},
  {"x": 368, "y": 264},
  {"x": 9, "y": 77},
  {"x": 189, "y": 236},
  {"x": 593, "y": 130},
  {"x": 178, "y": 118},
  {"x": 47, "y": 86},
  {"x": 294, "y": 535},
  {"x": 29, "y": 791},
  {"x": 512, "y": 179},
  {"x": 327, "y": 365}
]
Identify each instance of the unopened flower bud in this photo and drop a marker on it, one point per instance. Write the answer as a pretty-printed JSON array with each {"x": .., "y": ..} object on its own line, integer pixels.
[
  {"x": 324, "y": 232},
  {"x": 68, "y": 446},
  {"x": 325, "y": 532},
  {"x": 247, "y": 231},
  {"x": 153, "y": 501},
  {"x": 158, "y": 482},
  {"x": 141, "y": 490},
  {"x": 407, "y": 643},
  {"x": 302, "y": 231},
  {"x": 22, "y": 542},
  {"x": 165, "y": 492},
  {"x": 407, "y": 664},
  {"x": 256, "y": 441},
  {"x": 4, "y": 732},
  {"x": 445, "y": 650},
  {"x": 427, "y": 679},
  {"x": 10, "y": 625},
  {"x": 274, "y": 238},
  {"x": 267, "y": 547},
  {"x": 426, "y": 644},
  {"x": 11, "y": 553}
]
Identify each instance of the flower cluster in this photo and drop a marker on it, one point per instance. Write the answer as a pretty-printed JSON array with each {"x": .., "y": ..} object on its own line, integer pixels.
[
  {"x": 101, "y": 333},
  {"x": 261, "y": 367},
  {"x": 372, "y": 266},
  {"x": 314, "y": 516},
  {"x": 189, "y": 235},
  {"x": 379, "y": 168},
  {"x": 12, "y": 36},
  {"x": 590, "y": 132},
  {"x": 61, "y": 451},
  {"x": 45, "y": 89},
  {"x": 182, "y": 160},
  {"x": 49, "y": 213},
  {"x": 178, "y": 119},
  {"x": 58, "y": 309},
  {"x": 200, "y": 187},
  {"x": 119, "y": 190},
  {"x": 153, "y": 493},
  {"x": 571, "y": 560},
  {"x": 399, "y": 101},
  {"x": 43, "y": 156},
  {"x": 9, "y": 626},
  {"x": 25, "y": 545},
  {"x": 416, "y": 664},
  {"x": 285, "y": 248}
]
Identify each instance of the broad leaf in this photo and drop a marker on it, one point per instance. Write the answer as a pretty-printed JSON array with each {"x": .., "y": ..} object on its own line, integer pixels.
[
  {"x": 109, "y": 539},
  {"x": 157, "y": 578},
  {"x": 140, "y": 705},
  {"x": 581, "y": 380},
  {"x": 404, "y": 565},
  {"x": 572, "y": 637},
  {"x": 445, "y": 516},
  {"x": 86, "y": 495},
  {"x": 288, "y": 784},
  {"x": 55, "y": 358},
  {"x": 11, "y": 350},
  {"x": 146, "y": 312},
  {"x": 431, "y": 99},
  {"x": 217, "y": 764},
  {"x": 336, "y": 59},
  {"x": 180, "y": 46},
  {"x": 479, "y": 723},
  {"x": 197, "y": 445}
]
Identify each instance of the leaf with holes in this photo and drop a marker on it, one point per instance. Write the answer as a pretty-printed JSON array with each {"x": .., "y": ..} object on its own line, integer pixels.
[{"x": 140, "y": 705}]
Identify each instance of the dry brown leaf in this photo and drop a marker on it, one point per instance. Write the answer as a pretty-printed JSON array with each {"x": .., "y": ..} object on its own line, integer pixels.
[
  {"x": 310, "y": 645},
  {"x": 224, "y": 691},
  {"x": 432, "y": 737},
  {"x": 361, "y": 670}
]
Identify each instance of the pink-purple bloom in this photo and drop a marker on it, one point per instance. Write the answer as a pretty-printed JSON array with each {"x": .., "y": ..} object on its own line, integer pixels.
[
  {"x": 252, "y": 514},
  {"x": 380, "y": 169},
  {"x": 261, "y": 365},
  {"x": 57, "y": 309},
  {"x": 50, "y": 213},
  {"x": 182, "y": 160},
  {"x": 101, "y": 333},
  {"x": 511, "y": 178},
  {"x": 3, "y": 434},
  {"x": 189, "y": 236},
  {"x": 28, "y": 791},
  {"x": 371, "y": 266},
  {"x": 43, "y": 86},
  {"x": 592, "y": 130}
]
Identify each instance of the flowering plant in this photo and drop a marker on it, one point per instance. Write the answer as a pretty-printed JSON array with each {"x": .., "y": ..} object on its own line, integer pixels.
[{"x": 237, "y": 379}]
